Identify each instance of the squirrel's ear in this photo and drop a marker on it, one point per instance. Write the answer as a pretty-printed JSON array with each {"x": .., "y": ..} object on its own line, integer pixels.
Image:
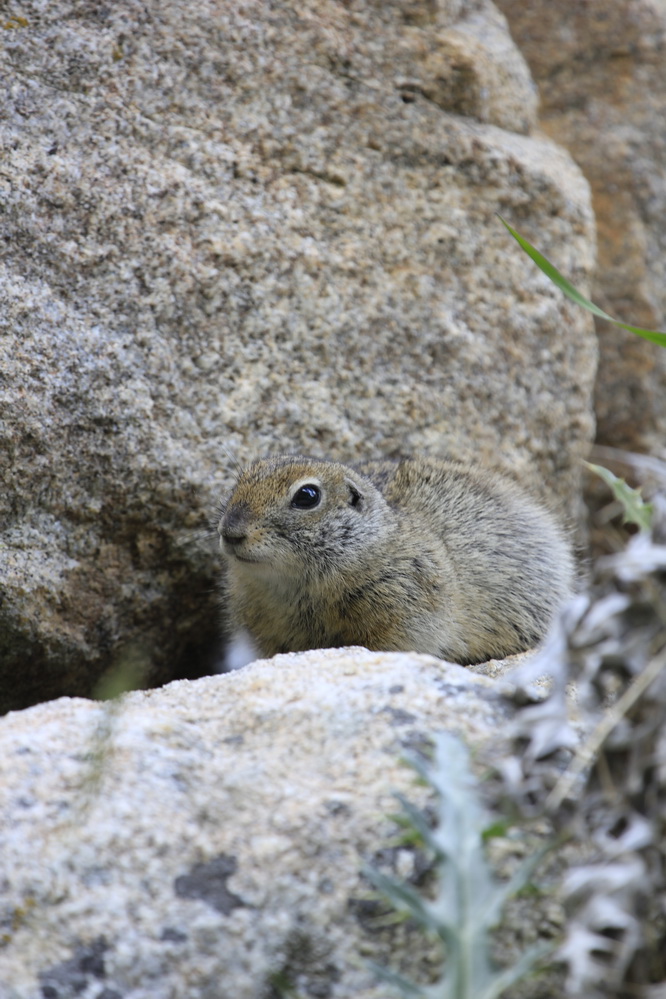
[{"x": 355, "y": 494}]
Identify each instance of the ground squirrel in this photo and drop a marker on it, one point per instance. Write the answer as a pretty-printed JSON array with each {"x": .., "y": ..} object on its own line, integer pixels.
[{"x": 418, "y": 555}]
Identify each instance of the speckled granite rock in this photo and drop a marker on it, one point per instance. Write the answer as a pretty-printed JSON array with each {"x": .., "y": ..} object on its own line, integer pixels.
[
  {"x": 600, "y": 69},
  {"x": 206, "y": 839},
  {"x": 261, "y": 227}
]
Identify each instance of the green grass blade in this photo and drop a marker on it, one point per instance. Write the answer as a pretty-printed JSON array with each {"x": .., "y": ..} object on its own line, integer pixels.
[{"x": 654, "y": 336}]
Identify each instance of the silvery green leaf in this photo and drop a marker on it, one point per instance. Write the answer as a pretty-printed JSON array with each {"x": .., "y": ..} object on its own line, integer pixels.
[
  {"x": 523, "y": 966},
  {"x": 403, "y": 985},
  {"x": 468, "y": 899}
]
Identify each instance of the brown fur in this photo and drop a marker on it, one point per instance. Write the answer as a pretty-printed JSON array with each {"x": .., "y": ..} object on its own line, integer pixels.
[{"x": 421, "y": 555}]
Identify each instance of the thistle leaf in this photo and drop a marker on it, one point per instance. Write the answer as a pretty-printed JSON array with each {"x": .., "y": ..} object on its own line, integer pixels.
[
  {"x": 468, "y": 899},
  {"x": 403, "y": 897},
  {"x": 403, "y": 985},
  {"x": 523, "y": 966}
]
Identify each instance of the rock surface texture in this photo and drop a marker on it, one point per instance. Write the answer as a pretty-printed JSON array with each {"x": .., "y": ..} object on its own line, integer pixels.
[
  {"x": 263, "y": 228},
  {"x": 600, "y": 70},
  {"x": 207, "y": 839}
]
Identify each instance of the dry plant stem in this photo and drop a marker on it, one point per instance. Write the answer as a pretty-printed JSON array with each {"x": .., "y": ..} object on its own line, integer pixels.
[{"x": 588, "y": 751}]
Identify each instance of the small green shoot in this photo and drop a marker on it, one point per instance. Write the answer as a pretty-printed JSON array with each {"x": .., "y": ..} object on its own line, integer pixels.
[
  {"x": 497, "y": 828},
  {"x": 468, "y": 901},
  {"x": 655, "y": 336},
  {"x": 126, "y": 675},
  {"x": 636, "y": 510}
]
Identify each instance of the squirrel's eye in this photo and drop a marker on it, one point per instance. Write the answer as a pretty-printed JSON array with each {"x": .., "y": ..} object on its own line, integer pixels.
[{"x": 307, "y": 497}]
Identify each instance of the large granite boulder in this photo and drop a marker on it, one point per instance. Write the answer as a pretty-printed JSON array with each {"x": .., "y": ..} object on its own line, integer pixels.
[{"x": 249, "y": 228}]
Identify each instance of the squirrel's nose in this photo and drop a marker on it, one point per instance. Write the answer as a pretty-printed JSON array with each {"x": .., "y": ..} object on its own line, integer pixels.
[
  {"x": 232, "y": 539},
  {"x": 233, "y": 526}
]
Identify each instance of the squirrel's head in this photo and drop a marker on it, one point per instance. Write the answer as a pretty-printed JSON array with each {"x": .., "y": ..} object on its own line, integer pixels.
[{"x": 292, "y": 514}]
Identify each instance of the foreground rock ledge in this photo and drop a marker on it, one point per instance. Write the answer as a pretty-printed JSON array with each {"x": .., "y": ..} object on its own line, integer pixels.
[{"x": 206, "y": 839}]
